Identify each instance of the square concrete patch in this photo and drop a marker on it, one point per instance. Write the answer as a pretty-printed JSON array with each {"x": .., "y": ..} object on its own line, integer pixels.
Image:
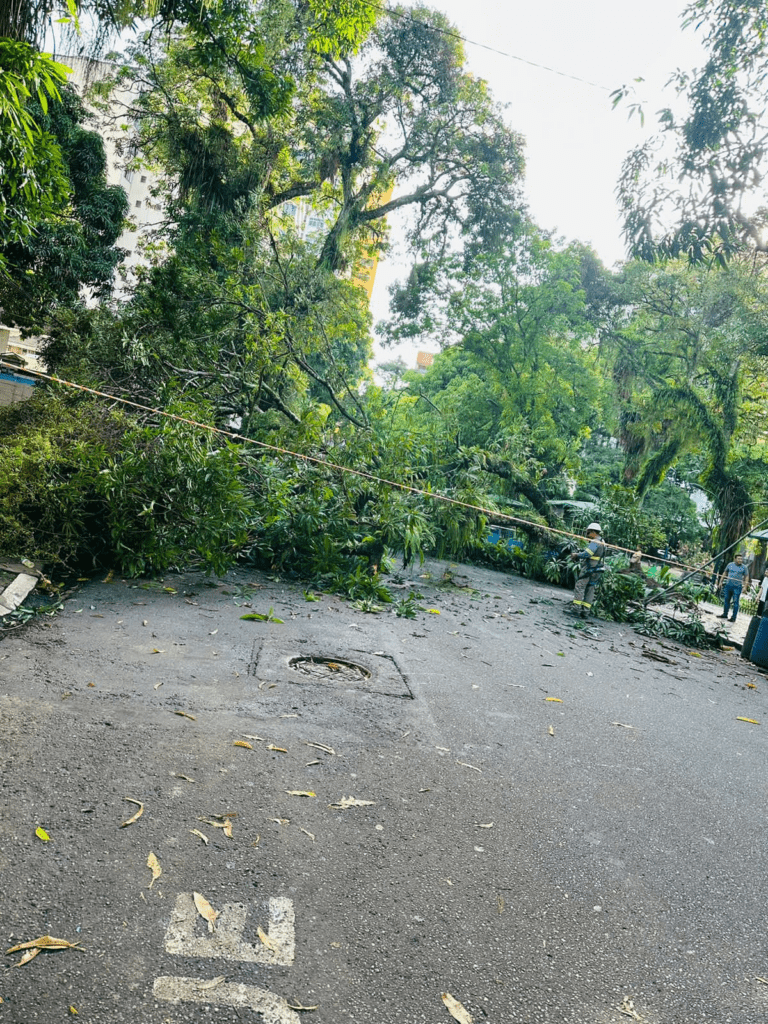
[{"x": 308, "y": 662}]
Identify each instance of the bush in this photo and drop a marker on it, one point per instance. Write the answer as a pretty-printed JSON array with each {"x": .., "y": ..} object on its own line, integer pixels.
[
  {"x": 617, "y": 590},
  {"x": 83, "y": 487}
]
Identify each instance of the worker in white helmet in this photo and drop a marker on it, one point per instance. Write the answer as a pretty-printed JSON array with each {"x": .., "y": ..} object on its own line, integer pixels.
[{"x": 592, "y": 560}]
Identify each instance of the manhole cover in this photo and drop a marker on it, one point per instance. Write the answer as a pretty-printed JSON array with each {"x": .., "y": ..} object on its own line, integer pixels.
[
  {"x": 336, "y": 669},
  {"x": 282, "y": 660}
]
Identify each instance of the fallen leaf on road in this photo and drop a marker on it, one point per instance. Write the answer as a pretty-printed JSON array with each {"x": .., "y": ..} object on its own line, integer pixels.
[
  {"x": 300, "y": 1008},
  {"x": 91, "y": 684},
  {"x": 265, "y": 939},
  {"x": 322, "y": 746},
  {"x": 205, "y": 910},
  {"x": 243, "y": 743},
  {"x": 551, "y": 731},
  {"x": 763, "y": 981},
  {"x": 465, "y": 765},
  {"x": 249, "y": 737},
  {"x": 500, "y": 904},
  {"x": 279, "y": 750},
  {"x": 307, "y": 833},
  {"x": 310, "y": 763},
  {"x": 489, "y": 825},
  {"x": 156, "y": 651},
  {"x": 281, "y": 821},
  {"x": 42, "y": 834},
  {"x": 752, "y": 721},
  {"x": 751, "y": 686},
  {"x": 154, "y": 865},
  {"x": 33, "y": 947},
  {"x": 185, "y": 714},
  {"x": 138, "y": 813},
  {"x": 433, "y": 611},
  {"x": 199, "y": 834},
  {"x": 350, "y": 801},
  {"x": 29, "y": 955},
  {"x": 157, "y": 685},
  {"x": 555, "y": 700},
  {"x": 456, "y": 1010},
  {"x": 73, "y": 1011},
  {"x": 186, "y": 778},
  {"x": 213, "y": 632},
  {"x": 300, "y": 792},
  {"x": 227, "y": 826}
]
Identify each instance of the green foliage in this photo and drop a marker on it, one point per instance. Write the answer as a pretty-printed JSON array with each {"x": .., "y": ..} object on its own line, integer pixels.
[
  {"x": 690, "y": 632},
  {"x": 711, "y": 155},
  {"x": 617, "y": 590},
  {"x": 174, "y": 493},
  {"x": 624, "y": 521},
  {"x": 32, "y": 175},
  {"x": 687, "y": 361},
  {"x": 82, "y": 487},
  {"x": 74, "y": 247},
  {"x": 519, "y": 367}
]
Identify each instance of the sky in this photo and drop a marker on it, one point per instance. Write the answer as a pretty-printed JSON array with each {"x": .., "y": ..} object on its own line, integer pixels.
[{"x": 575, "y": 141}]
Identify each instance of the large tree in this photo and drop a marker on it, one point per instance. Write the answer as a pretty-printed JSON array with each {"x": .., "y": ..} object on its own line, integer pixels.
[
  {"x": 518, "y": 377},
  {"x": 241, "y": 301},
  {"x": 691, "y": 190},
  {"x": 689, "y": 365}
]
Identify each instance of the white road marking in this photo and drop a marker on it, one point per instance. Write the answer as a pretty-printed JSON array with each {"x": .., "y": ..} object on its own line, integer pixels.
[
  {"x": 272, "y": 1008},
  {"x": 227, "y": 941}
]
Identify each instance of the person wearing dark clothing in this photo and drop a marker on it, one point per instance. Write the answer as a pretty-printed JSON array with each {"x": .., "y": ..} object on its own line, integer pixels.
[
  {"x": 733, "y": 579},
  {"x": 592, "y": 560},
  {"x": 762, "y": 594}
]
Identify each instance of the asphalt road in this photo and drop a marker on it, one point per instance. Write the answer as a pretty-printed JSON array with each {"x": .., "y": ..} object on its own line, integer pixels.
[{"x": 550, "y": 824}]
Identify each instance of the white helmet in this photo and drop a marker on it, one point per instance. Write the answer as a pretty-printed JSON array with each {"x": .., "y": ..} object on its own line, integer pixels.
[{"x": 594, "y": 526}]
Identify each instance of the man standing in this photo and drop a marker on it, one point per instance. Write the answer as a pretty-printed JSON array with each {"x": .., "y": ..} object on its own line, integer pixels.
[
  {"x": 592, "y": 560},
  {"x": 732, "y": 580}
]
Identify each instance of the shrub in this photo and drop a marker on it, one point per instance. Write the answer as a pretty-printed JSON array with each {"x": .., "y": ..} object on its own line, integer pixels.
[{"x": 83, "y": 487}]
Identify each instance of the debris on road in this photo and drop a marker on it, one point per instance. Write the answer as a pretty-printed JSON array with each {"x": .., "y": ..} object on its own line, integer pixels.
[
  {"x": 154, "y": 865},
  {"x": 456, "y": 1010},
  {"x": 350, "y": 801},
  {"x": 32, "y": 948},
  {"x": 137, "y": 815},
  {"x": 205, "y": 910}
]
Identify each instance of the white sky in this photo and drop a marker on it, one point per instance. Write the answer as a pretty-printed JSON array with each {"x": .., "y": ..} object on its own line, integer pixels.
[{"x": 575, "y": 141}]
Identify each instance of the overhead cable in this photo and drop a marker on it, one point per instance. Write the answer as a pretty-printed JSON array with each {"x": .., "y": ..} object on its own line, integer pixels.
[{"x": 405, "y": 16}]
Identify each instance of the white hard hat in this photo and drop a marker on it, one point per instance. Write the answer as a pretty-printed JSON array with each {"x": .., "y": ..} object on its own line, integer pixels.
[{"x": 594, "y": 526}]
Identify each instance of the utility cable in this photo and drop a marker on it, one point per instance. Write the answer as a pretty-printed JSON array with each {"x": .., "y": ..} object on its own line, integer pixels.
[
  {"x": 316, "y": 460},
  {"x": 451, "y": 33}
]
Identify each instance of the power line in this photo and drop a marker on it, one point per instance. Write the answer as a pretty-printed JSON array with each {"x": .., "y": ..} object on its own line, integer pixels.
[
  {"x": 451, "y": 33},
  {"x": 315, "y": 460}
]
